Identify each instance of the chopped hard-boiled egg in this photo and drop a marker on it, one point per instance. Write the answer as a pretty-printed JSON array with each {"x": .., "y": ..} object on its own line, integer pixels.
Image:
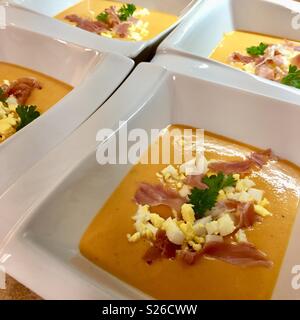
[
  {"x": 226, "y": 225},
  {"x": 256, "y": 194},
  {"x": 240, "y": 236},
  {"x": 188, "y": 230},
  {"x": 212, "y": 227},
  {"x": 260, "y": 210},
  {"x": 244, "y": 184},
  {"x": 188, "y": 213},
  {"x": 174, "y": 234},
  {"x": 156, "y": 220},
  {"x": 9, "y": 119}
]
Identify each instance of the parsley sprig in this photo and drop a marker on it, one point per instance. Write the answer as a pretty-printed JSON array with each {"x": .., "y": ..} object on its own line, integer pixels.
[
  {"x": 257, "y": 50},
  {"x": 124, "y": 13},
  {"x": 203, "y": 200},
  {"x": 103, "y": 16},
  {"x": 293, "y": 77},
  {"x": 27, "y": 114},
  {"x": 3, "y": 97}
]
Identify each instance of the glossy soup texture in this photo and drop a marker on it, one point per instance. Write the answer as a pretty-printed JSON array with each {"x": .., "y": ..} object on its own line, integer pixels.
[
  {"x": 158, "y": 21},
  {"x": 105, "y": 243},
  {"x": 239, "y": 41},
  {"x": 53, "y": 90}
]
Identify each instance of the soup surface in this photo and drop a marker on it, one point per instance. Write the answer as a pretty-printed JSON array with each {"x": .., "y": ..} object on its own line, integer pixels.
[
  {"x": 105, "y": 242},
  {"x": 265, "y": 56},
  {"x": 158, "y": 21},
  {"x": 52, "y": 90},
  {"x": 239, "y": 41}
]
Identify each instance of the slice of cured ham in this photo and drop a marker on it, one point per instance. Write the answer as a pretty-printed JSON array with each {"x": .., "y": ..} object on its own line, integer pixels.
[
  {"x": 162, "y": 248},
  {"x": 259, "y": 158},
  {"x": 231, "y": 167},
  {"x": 241, "y": 254},
  {"x": 154, "y": 195},
  {"x": 87, "y": 24},
  {"x": 21, "y": 89},
  {"x": 196, "y": 181}
]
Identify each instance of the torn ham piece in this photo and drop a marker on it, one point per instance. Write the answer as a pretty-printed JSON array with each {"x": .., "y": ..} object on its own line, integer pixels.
[
  {"x": 242, "y": 254},
  {"x": 246, "y": 214},
  {"x": 113, "y": 22},
  {"x": 112, "y": 18},
  {"x": 21, "y": 89},
  {"x": 122, "y": 29},
  {"x": 259, "y": 158},
  {"x": 296, "y": 61},
  {"x": 154, "y": 195},
  {"x": 195, "y": 181},
  {"x": 162, "y": 248},
  {"x": 242, "y": 212},
  {"x": 231, "y": 167},
  {"x": 238, "y": 57},
  {"x": 265, "y": 71},
  {"x": 87, "y": 24}
]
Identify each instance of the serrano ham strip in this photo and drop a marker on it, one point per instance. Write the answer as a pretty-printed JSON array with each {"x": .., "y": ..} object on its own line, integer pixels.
[
  {"x": 246, "y": 214},
  {"x": 87, "y": 24},
  {"x": 154, "y": 195},
  {"x": 162, "y": 248},
  {"x": 21, "y": 89},
  {"x": 259, "y": 158},
  {"x": 196, "y": 181},
  {"x": 231, "y": 167},
  {"x": 241, "y": 254}
]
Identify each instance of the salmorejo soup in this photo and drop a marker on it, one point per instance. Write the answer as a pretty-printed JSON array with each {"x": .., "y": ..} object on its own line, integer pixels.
[
  {"x": 224, "y": 229},
  {"x": 269, "y": 57},
  {"x": 117, "y": 20},
  {"x": 24, "y": 95}
]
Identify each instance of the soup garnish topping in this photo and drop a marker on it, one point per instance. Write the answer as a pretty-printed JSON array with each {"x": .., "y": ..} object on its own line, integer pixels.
[
  {"x": 14, "y": 113},
  {"x": 210, "y": 211}
]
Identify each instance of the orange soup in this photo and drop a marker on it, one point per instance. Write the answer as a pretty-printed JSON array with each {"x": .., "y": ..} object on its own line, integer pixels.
[
  {"x": 147, "y": 24},
  {"x": 25, "y": 94},
  {"x": 53, "y": 90},
  {"x": 268, "y": 57},
  {"x": 277, "y": 182}
]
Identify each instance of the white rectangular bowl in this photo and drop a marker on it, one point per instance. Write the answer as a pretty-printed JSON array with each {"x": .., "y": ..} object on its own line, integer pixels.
[
  {"x": 189, "y": 46},
  {"x": 50, "y": 8},
  {"x": 92, "y": 74},
  {"x": 44, "y": 215}
]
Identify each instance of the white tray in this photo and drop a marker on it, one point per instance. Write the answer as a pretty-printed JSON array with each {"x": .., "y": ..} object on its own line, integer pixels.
[
  {"x": 181, "y": 8},
  {"x": 188, "y": 47},
  {"x": 89, "y": 71},
  {"x": 44, "y": 215}
]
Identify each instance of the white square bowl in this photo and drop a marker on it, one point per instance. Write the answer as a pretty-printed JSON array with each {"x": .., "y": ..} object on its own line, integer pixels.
[
  {"x": 44, "y": 215},
  {"x": 50, "y": 8},
  {"x": 92, "y": 74},
  {"x": 189, "y": 46}
]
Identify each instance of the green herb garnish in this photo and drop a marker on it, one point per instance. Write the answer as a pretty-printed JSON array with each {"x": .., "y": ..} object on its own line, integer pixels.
[
  {"x": 3, "y": 97},
  {"x": 126, "y": 11},
  {"x": 103, "y": 16},
  {"x": 27, "y": 115},
  {"x": 293, "y": 77},
  {"x": 257, "y": 51},
  {"x": 204, "y": 200}
]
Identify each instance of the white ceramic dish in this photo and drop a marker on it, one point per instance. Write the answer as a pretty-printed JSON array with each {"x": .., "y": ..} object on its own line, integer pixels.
[
  {"x": 189, "y": 46},
  {"x": 44, "y": 215},
  {"x": 85, "y": 69},
  {"x": 181, "y": 8}
]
